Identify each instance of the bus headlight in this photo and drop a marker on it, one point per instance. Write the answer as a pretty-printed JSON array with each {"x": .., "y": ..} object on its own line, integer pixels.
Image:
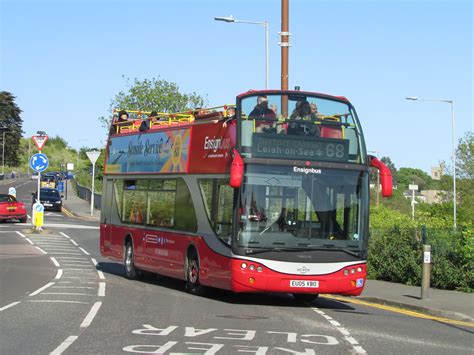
[
  {"x": 243, "y": 265},
  {"x": 259, "y": 269}
]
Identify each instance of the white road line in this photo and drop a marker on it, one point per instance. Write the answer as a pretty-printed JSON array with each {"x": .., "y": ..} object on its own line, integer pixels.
[
  {"x": 64, "y": 345},
  {"x": 84, "y": 251},
  {"x": 41, "y": 289},
  {"x": 59, "y": 274},
  {"x": 21, "y": 234},
  {"x": 86, "y": 287},
  {"x": 90, "y": 317},
  {"x": 41, "y": 250},
  {"x": 74, "y": 258},
  {"x": 94, "y": 261},
  {"x": 8, "y": 306},
  {"x": 352, "y": 341},
  {"x": 55, "y": 262},
  {"x": 65, "y": 235},
  {"x": 73, "y": 242},
  {"x": 101, "y": 275},
  {"x": 101, "y": 292},
  {"x": 64, "y": 253},
  {"x": 29, "y": 241},
  {"x": 68, "y": 293},
  {"x": 58, "y": 301},
  {"x": 347, "y": 336}
]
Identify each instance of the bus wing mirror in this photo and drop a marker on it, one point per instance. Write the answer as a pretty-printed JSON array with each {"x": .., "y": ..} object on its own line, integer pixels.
[
  {"x": 236, "y": 170},
  {"x": 385, "y": 175}
]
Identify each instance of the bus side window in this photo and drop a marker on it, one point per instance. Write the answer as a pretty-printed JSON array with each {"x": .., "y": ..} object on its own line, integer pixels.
[{"x": 218, "y": 201}]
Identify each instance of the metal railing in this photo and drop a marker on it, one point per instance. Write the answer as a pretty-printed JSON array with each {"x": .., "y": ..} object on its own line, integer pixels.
[{"x": 85, "y": 193}]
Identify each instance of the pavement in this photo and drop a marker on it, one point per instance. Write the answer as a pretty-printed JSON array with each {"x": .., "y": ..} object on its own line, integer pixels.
[{"x": 453, "y": 305}]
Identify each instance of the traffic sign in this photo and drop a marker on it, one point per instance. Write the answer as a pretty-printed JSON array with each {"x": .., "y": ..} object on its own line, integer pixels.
[
  {"x": 93, "y": 155},
  {"x": 38, "y": 215},
  {"x": 413, "y": 187},
  {"x": 40, "y": 141},
  {"x": 12, "y": 191},
  {"x": 39, "y": 162}
]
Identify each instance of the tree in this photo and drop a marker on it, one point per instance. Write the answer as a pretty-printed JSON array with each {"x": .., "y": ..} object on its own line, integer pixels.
[
  {"x": 408, "y": 176},
  {"x": 153, "y": 95},
  {"x": 11, "y": 124}
]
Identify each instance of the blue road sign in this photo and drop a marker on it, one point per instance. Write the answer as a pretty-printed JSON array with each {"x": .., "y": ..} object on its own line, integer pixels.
[
  {"x": 61, "y": 186},
  {"x": 39, "y": 162}
]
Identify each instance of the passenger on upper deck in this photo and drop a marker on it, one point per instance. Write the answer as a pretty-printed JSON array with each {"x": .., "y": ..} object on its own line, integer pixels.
[
  {"x": 302, "y": 112},
  {"x": 123, "y": 116},
  {"x": 261, "y": 110}
]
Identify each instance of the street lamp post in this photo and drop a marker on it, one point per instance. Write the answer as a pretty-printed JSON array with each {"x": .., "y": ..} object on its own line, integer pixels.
[
  {"x": 265, "y": 25},
  {"x": 415, "y": 98},
  {"x": 3, "y": 149}
]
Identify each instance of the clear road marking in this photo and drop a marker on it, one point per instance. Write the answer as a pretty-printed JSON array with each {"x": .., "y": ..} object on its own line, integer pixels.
[
  {"x": 59, "y": 273},
  {"x": 68, "y": 293},
  {"x": 355, "y": 345},
  {"x": 64, "y": 345},
  {"x": 74, "y": 242},
  {"x": 74, "y": 258},
  {"x": 101, "y": 275},
  {"x": 41, "y": 250},
  {"x": 41, "y": 289},
  {"x": 400, "y": 310},
  {"x": 65, "y": 235},
  {"x": 84, "y": 251},
  {"x": 29, "y": 241},
  {"x": 101, "y": 292},
  {"x": 87, "y": 287},
  {"x": 58, "y": 301},
  {"x": 8, "y": 306},
  {"x": 21, "y": 234},
  {"x": 55, "y": 262},
  {"x": 94, "y": 261},
  {"x": 92, "y": 313}
]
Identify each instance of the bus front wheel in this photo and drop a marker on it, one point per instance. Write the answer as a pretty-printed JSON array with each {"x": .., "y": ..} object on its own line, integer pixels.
[
  {"x": 192, "y": 275},
  {"x": 130, "y": 271}
]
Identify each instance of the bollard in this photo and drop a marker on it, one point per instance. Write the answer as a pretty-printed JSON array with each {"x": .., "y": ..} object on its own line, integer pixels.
[{"x": 426, "y": 272}]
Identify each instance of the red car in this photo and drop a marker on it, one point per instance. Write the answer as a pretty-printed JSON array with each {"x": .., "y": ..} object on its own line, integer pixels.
[{"x": 10, "y": 209}]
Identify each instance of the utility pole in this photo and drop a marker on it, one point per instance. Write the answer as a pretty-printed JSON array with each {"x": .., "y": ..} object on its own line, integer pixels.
[{"x": 284, "y": 43}]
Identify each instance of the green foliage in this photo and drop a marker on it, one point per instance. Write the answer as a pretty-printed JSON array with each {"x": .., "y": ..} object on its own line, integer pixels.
[
  {"x": 153, "y": 95},
  {"x": 406, "y": 176},
  {"x": 11, "y": 128},
  {"x": 395, "y": 247}
]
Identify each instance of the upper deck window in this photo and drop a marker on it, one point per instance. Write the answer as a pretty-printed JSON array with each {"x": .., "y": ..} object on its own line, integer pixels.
[{"x": 300, "y": 126}]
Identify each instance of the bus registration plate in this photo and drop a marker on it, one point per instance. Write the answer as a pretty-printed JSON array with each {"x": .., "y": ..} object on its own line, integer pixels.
[{"x": 304, "y": 283}]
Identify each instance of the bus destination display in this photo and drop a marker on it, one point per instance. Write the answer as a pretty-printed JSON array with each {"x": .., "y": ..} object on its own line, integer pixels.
[{"x": 286, "y": 147}]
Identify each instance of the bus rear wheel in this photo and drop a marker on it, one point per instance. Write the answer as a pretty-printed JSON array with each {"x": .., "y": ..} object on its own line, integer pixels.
[
  {"x": 192, "y": 275},
  {"x": 305, "y": 297},
  {"x": 130, "y": 270}
]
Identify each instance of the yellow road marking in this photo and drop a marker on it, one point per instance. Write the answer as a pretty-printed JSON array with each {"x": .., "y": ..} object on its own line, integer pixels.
[
  {"x": 399, "y": 310},
  {"x": 67, "y": 212}
]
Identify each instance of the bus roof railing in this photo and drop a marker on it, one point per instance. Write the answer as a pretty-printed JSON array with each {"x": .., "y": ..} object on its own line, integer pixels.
[{"x": 166, "y": 119}]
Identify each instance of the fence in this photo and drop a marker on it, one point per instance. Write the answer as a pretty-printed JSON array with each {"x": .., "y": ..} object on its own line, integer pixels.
[{"x": 85, "y": 194}]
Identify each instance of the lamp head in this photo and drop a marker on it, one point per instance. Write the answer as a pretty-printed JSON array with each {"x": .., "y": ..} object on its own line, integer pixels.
[{"x": 225, "y": 19}]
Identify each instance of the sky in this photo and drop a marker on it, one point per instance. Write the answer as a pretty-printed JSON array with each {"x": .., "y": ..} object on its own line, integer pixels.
[{"x": 65, "y": 60}]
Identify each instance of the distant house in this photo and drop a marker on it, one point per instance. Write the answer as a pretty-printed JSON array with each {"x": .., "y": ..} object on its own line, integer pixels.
[{"x": 428, "y": 196}]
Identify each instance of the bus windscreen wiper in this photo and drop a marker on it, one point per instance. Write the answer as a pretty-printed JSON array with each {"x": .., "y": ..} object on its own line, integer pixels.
[{"x": 332, "y": 247}]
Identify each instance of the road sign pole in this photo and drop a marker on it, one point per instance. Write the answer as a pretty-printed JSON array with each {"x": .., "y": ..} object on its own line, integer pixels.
[
  {"x": 92, "y": 192},
  {"x": 93, "y": 155}
]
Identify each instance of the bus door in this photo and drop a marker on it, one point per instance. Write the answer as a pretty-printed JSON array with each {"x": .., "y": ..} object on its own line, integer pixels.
[{"x": 106, "y": 217}]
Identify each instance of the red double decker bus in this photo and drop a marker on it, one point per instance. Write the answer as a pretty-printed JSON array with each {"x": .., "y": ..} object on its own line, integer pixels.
[{"x": 268, "y": 195}]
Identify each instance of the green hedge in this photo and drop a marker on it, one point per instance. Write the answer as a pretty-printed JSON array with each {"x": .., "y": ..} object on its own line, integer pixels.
[{"x": 395, "y": 254}]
